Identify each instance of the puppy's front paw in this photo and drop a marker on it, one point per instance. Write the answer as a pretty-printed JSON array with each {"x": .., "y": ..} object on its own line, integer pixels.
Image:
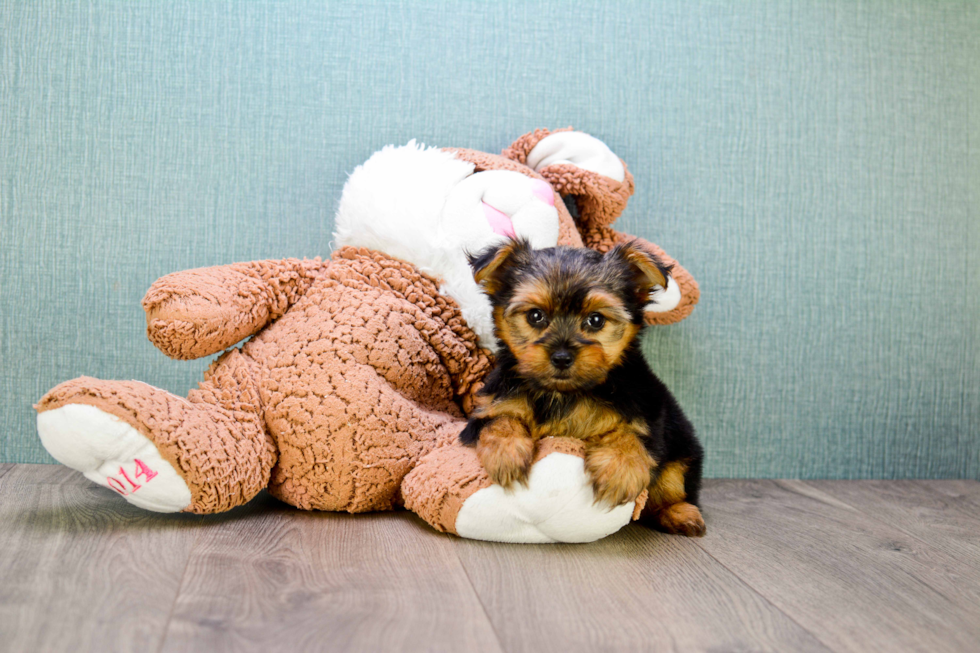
[
  {"x": 617, "y": 476},
  {"x": 506, "y": 451}
]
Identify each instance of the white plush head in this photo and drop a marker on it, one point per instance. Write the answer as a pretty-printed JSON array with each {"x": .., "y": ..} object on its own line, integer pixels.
[{"x": 425, "y": 206}]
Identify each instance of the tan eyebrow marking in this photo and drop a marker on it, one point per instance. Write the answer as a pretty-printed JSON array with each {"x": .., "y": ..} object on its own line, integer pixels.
[
  {"x": 531, "y": 294},
  {"x": 609, "y": 305}
]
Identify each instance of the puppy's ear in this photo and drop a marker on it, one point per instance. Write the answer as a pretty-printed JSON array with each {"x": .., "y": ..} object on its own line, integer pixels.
[
  {"x": 646, "y": 270},
  {"x": 490, "y": 265}
]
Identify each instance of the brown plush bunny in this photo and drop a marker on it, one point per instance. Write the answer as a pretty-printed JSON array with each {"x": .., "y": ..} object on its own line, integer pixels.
[{"x": 354, "y": 386}]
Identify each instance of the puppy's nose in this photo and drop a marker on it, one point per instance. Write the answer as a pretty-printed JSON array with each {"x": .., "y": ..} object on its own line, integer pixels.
[{"x": 562, "y": 359}]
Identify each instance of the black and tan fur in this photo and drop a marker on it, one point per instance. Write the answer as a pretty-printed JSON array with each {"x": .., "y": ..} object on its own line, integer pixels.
[{"x": 571, "y": 365}]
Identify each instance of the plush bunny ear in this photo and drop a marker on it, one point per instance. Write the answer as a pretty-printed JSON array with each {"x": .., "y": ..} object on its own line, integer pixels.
[
  {"x": 581, "y": 166},
  {"x": 491, "y": 266}
]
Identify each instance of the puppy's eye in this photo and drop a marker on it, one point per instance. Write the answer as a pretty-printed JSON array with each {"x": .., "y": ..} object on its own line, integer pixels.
[
  {"x": 537, "y": 318},
  {"x": 595, "y": 321}
]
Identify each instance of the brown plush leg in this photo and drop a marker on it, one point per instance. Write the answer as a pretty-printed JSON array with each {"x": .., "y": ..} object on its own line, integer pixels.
[
  {"x": 215, "y": 439},
  {"x": 666, "y": 506}
]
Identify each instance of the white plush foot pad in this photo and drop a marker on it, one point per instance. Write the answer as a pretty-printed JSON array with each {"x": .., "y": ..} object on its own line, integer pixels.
[
  {"x": 578, "y": 149},
  {"x": 664, "y": 299},
  {"x": 556, "y": 506},
  {"x": 112, "y": 453}
]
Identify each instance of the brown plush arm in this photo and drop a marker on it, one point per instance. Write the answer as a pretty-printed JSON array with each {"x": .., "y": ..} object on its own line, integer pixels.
[{"x": 200, "y": 312}]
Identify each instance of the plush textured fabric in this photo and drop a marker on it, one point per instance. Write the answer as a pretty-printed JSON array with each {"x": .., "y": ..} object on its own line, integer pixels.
[
  {"x": 815, "y": 164},
  {"x": 360, "y": 381}
]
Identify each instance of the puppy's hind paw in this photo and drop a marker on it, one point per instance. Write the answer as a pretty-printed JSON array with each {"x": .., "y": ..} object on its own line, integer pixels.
[{"x": 682, "y": 519}]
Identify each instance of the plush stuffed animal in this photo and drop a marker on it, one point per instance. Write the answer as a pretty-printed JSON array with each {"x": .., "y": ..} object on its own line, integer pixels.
[{"x": 353, "y": 389}]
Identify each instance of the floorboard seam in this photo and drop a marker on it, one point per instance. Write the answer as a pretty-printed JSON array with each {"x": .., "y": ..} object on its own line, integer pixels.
[
  {"x": 970, "y": 503},
  {"x": 180, "y": 587},
  {"x": 766, "y": 599},
  {"x": 891, "y": 525},
  {"x": 479, "y": 598},
  {"x": 922, "y": 542},
  {"x": 925, "y": 544}
]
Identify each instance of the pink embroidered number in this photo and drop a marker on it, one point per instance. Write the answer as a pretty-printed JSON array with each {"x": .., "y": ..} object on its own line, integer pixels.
[
  {"x": 116, "y": 485},
  {"x": 142, "y": 469}
]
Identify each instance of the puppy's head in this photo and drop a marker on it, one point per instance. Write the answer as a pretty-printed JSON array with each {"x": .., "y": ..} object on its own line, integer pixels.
[{"x": 567, "y": 314}]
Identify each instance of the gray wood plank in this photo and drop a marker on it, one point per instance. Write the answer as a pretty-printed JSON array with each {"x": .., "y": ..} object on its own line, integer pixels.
[
  {"x": 285, "y": 579},
  {"x": 855, "y": 582},
  {"x": 635, "y": 590},
  {"x": 788, "y": 565},
  {"x": 964, "y": 491},
  {"x": 919, "y": 509},
  {"x": 82, "y": 570}
]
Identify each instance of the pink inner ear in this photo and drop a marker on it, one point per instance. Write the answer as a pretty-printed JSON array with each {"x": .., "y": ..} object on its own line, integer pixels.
[
  {"x": 499, "y": 222},
  {"x": 543, "y": 191}
]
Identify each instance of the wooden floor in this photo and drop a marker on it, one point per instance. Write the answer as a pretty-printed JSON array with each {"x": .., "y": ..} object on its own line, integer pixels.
[{"x": 786, "y": 566}]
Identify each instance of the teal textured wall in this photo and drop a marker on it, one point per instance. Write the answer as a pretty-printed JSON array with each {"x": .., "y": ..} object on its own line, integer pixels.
[{"x": 816, "y": 165}]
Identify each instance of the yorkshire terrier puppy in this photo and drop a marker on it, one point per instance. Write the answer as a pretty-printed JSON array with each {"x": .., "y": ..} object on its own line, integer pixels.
[{"x": 569, "y": 320}]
